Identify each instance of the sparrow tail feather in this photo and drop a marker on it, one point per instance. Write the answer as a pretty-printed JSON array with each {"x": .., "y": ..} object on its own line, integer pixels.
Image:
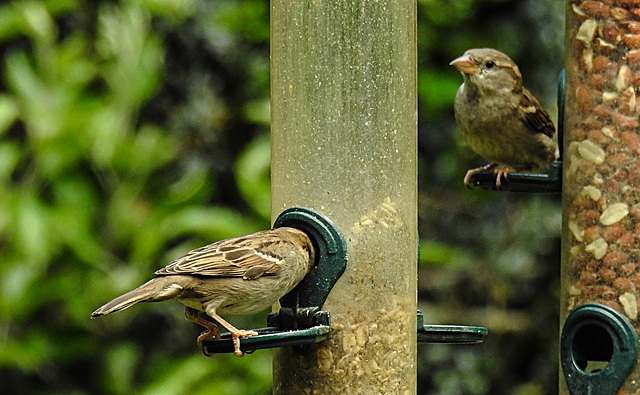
[{"x": 154, "y": 290}]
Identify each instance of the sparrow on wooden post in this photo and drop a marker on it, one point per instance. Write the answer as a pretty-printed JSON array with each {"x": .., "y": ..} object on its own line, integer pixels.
[
  {"x": 499, "y": 118},
  {"x": 237, "y": 276}
]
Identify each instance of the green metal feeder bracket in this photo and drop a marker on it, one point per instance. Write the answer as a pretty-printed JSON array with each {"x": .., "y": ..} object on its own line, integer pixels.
[
  {"x": 550, "y": 182},
  {"x": 453, "y": 334},
  {"x": 300, "y": 320},
  {"x": 598, "y": 349}
]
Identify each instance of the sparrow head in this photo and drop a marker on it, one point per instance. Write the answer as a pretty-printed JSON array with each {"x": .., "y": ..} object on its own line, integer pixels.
[{"x": 489, "y": 71}]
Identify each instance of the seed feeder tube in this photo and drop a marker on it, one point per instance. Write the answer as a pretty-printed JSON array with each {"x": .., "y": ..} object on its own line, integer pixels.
[
  {"x": 601, "y": 187},
  {"x": 344, "y": 143}
]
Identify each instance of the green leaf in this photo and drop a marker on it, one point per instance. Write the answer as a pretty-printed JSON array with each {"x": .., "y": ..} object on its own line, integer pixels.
[
  {"x": 133, "y": 54},
  {"x": 437, "y": 90},
  {"x": 10, "y": 156},
  {"x": 252, "y": 171},
  {"x": 8, "y": 112},
  {"x": 121, "y": 361},
  {"x": 32, "y": 236},
  {"x": 37, "y": 21}
]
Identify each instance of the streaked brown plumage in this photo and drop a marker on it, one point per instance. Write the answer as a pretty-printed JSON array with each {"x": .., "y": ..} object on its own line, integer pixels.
[
  {"x": 237, "y": 276},
  {"x": 499, "y": 118}
]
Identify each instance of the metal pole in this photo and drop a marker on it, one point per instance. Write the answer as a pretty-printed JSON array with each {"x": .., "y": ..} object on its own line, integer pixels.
[
  {"x": 344, "y": 137},
  {"x": 601, "y": 184}
]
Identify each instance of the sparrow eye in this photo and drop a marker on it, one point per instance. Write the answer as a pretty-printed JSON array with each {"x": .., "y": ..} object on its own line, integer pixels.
[{"x": 489, "y": 64}]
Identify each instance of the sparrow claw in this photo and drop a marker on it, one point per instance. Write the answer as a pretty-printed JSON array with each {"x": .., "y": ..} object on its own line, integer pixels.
[
  {"x": 471, "y": 172},
  {"x": 206, "y": 335},
  {"x": 502, "y": 173},
  {"x": 210, "y": 332},
  {"x": 236, "y": 335}
]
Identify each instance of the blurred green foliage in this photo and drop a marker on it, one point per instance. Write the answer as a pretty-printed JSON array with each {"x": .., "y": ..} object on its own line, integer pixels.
[
  {"x": 113, "y": 157},
  {"x": 132, "y": 131}
]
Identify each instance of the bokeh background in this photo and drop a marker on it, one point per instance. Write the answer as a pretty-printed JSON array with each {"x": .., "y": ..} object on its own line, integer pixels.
[{"x": 132, "y": 131}]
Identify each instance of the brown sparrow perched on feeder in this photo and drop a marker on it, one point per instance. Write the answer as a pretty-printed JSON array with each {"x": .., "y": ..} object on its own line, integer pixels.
[
  {"x": 499, "y": 118},
  {"x": 237, "y": 276}
]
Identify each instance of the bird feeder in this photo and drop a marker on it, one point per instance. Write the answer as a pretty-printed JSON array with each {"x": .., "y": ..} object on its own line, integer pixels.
[
  {"x": 344, "y": 140},
  {"x": 344, "y": 143},
  {"x": 599, "y": 177},
  {"x": 601, "y": 195},
  {"x": 344, "y": 170}
]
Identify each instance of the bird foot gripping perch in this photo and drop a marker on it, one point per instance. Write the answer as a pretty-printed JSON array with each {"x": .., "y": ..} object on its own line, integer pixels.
[
  {"x": 300, "y": 320},
  {"x": 550, "y": 182}
]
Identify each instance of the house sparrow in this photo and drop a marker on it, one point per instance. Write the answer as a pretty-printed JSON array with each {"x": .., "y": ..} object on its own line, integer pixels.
[
  {"x": 237, "y": 276},
  {"x": 499, "y": 118}
]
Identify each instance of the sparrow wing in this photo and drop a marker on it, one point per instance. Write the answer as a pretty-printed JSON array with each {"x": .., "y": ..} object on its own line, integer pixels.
[
  {"x": 534, "y": 116},
  {"x": 248, "y": 256}
]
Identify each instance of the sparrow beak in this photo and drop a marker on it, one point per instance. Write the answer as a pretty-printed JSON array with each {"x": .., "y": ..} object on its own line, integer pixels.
[{"x": 465, "y": 64}]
